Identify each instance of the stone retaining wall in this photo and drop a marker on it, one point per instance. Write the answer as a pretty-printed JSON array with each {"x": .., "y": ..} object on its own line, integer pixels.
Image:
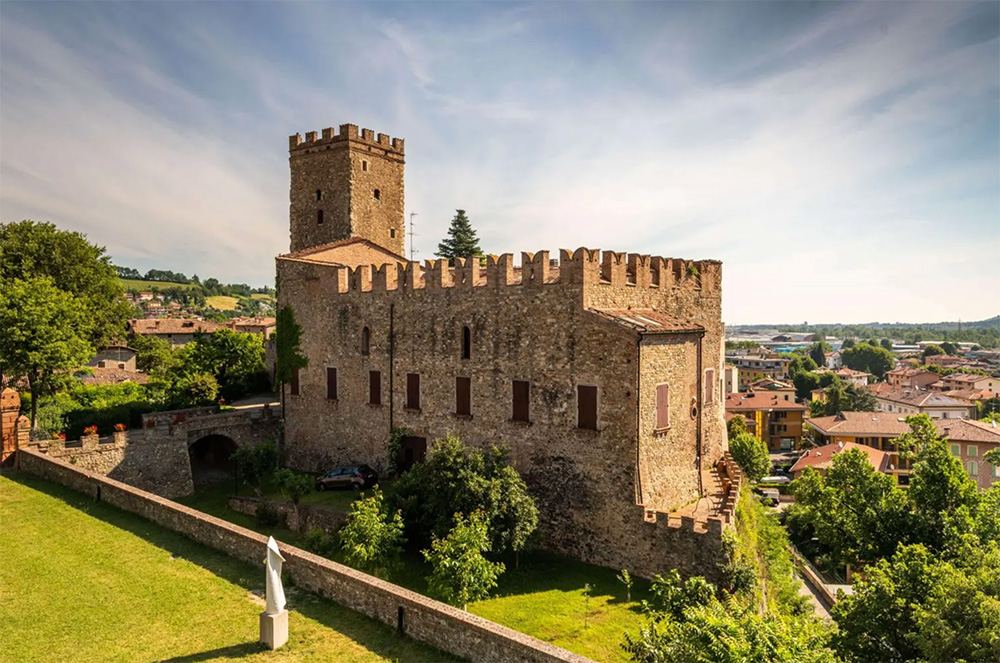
[
  {"x": 437, "y": 624},
  {"x": 308, "y": 516}
]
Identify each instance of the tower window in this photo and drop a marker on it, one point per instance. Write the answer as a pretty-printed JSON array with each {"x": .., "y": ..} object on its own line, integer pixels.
[
  {"x": 364, "y": 165},
  {"x": 378, "y": 195},
  {"x": 463, "y": 396},
  {"x": 466, "y": 343},
  {"x": 374, "y": 388},
  {"x": 521, "y": 397},
  {"x": 392, "y": 233},
  {"x": 319, "y": 194},
  {"x": 366, "y": 341},
  {"x": 319, "y": 217},
  {"x": 412, "y": 391},
  {"x": 586, "y": 406}
]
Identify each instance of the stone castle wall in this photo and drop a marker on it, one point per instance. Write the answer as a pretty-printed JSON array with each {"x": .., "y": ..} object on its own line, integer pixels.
[{"x": 526, "y": 324}]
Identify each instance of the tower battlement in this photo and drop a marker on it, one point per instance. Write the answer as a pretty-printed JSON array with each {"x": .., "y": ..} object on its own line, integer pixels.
[
  {"x": 585, "y": 267},
  {"x": 316, "y": 141}
]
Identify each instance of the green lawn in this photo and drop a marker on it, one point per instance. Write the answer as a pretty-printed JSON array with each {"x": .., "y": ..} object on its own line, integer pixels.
[
  {"x": 134, "y": 284},
  {"x": 82, "y": 581},
  {"x": 543, "y": 598}
]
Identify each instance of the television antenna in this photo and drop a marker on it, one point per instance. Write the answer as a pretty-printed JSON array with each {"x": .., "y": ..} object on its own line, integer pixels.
[{"x": 413, "y": 251}]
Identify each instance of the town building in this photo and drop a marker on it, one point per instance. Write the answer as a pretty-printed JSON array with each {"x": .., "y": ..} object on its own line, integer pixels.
[
  {"x": 176, "y": 331},
  {"x": 918, "y": 401},
  {"x": 772, "y": 417},
  {"x": 968, "y": 439},
  {"x": 849, "y": 375},
  {"x": 755, "y": 367},
  {"x": 821, "y": 458},
  {"x": 115, "y": 356},
  {"x": 601, "y": 372},
  {"x": 783, "y": 389},
  {"x": 944, "y": 361},
  {"x": 969, "y": 381},
  {"x": 834, "y": 360},
  {"x": 731, "y": 378},
  {"x": 258, "y": 325},
  {"x": 911, "y": 378}
]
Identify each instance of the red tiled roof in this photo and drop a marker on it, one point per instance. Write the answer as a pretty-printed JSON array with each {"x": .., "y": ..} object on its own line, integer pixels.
[
  {"x": 968, "y": 430},
  {"x": 883, "y": 424},
  {"x": 114, "y": 376},
  {"x": 173, "y": 326},
  {"x": 822, "y": 457},
  {"x": 752, "y": 401},
  {"x": 647, "y": 321},
  {"x": 920, "y": 398}
]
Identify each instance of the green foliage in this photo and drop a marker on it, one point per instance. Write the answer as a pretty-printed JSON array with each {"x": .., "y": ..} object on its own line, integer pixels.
[
  {"x": 193, "y": 390},
  {"x": 625, "y": 578},
  {"x": 372, "y": 539},
  {"x": 992, "y": 417},
  {"x": 460, "y": 571},
  {"x": 949, "y": 348},
  {"x": 293, "y": 485},
  {"x": 75, "y": 266},
  {"x": 932, "y": 351},
  {"x": 396, "y": 436},
  {"x": 267, "y": 516},
  {"x": 256, "y": 464},
  {"x": 737, "y": 426},
  {"x": 462, "y": 241},
  {"x": 886, "y": 343},
  {"x": 869, "y": 358},
  {"x": 849, "y": 398},
  {"x": 818, "y": 350},
  {"x": 817, "y": 408},
  {"x": 288, "y": 345},
  {"x": 156, "y": 357},
  {"x": 45, "y": 330},
  {"x": 456, "y": 478},
  {"x": 751, "y": 455},
  {"x": 319, "y": 542},
  {"x": 77, "y": 405},
  {"x": 671, "y": 597},
  {"x": 235, "y": 359}
]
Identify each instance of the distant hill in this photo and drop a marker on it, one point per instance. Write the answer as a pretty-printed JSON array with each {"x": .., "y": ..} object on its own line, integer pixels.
[{"x": 985, "y": 333}]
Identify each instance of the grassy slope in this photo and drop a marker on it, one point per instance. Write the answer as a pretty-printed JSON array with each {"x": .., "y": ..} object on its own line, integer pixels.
[
  {"x": 543, "y": 598},
  {"x": 81, "y": 581},
  {"x": 222, "y": 302},
  {"x": 143, "y": 286}
]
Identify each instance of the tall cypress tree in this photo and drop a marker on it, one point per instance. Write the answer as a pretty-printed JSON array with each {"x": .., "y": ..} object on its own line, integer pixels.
[{"x": 462, "y": 241}]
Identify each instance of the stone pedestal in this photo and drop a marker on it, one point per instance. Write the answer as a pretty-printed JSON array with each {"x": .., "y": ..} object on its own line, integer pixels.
[{"x": 274, "y": 629}]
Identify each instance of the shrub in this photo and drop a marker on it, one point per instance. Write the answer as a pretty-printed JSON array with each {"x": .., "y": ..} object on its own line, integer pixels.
[
  {"x": 267, "y": 515},
  {"x": 751, "y": 454},
  {"x": 461, "y": 572},
  {"x": 372, "y": 539},
  {"x": 320, "y": 542}
]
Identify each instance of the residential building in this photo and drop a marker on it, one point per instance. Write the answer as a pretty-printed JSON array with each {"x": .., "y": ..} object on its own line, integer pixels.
[
  {"x": 176, "y": 331},
  {"x": 821, "y": 458},
  {"x": 120, "y": 357},
  {"x": 755, "y": 367},
  {"x": 918, "y": 401},
  {"x": 918, "y": 378},
  {"x": 944, "y": 361},
  {"x": 770, "y": 416},
  {"x": 259, "y": 325},
  {"x": 785, "y": 390},
  {"x": 834, "y": 360},
  {"x": 859, "y": 378},
  {"x": 970, "y": 381},
  {"x": 731, "y": 378}
]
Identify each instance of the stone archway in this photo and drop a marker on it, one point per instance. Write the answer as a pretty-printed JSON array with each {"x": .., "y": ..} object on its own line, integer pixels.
[{"x": 210, "y": 460}]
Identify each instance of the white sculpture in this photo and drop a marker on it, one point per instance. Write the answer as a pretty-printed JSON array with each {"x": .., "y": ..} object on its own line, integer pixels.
[
  {"x": 275, "y": 592},
  {"x": 274, "y": 619}
]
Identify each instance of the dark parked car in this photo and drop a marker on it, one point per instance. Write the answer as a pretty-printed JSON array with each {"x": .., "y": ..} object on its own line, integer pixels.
[{"x": 356, "y": 478}]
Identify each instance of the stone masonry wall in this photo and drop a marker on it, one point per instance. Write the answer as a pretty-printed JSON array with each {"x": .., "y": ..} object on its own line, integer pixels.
[
  {"x": 528, "y": 324},
  {"x": 442, "y": 626}
]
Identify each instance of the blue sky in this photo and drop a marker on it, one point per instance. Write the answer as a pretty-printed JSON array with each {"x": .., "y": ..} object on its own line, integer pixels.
[{"x": 842, "y": 160}]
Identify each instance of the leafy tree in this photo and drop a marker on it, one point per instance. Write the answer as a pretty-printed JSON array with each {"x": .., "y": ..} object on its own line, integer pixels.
[
  {"x": 294, "y": 486},
  {"x": 460, "y": 571},
  {"x": 818, "y": 350},
  {"x": 886, "y": 343},
  {"x": 625, "y": 578},
  {"x": 288, "y": 349},
  {"x": 462, "y": 241},
  {"x": 805, "y": 382},
  {"x": 737, "y": 426},
  {"x": 256, "y": 464},
  {"x": 847, "y": 344},
  {"x": 672, "y": 597},
  {"x": 155, "y": 357},
  {"x": 372, "y": 539},
  {"x": 234, "y": 358},
  {"x": 993, "y": 455},
  {"x": 456, "y": 478},
  {"x": 869, "y": 358},
  {"x": 43, "y": 332},
  {"x": 800, "y": 363},
  {"x": 849, "y": 398},
  {"x": 193, "y": 389},
  {"x": 949, "y": 348},
  {"x": 752, "y": 455},
  {"x": 33, "y": 250},
  {"x": 932, "y": 350},
  {"x": 817, "y": 408}
]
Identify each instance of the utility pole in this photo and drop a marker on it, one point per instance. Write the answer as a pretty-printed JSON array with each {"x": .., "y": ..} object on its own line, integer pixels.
[{"x": 413, "y": 251}]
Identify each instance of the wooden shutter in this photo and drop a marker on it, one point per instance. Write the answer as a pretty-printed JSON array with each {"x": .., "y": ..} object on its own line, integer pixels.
[
  {"x": 709, "y": 386},
  {"x": 586, "y": 406},
  {"x": 375, "y": 387},
  {"x": 413, "y": 391},
  {"x": 463, "y": 396},
  {"x": 294, "y": 384},
  {"x": 331, "y": 383},
  {"x": 521, "y": 398},
  {"x": 662, "y": 406}
]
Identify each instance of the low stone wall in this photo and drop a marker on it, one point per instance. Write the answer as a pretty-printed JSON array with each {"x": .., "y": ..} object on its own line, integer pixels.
[
  {"x": 813, "y": 577},
  {"x": 308, "y": 517},
  {"x": 437, "y": 624}
]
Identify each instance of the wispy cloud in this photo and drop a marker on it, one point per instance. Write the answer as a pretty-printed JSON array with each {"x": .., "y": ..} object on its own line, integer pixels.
[{"x": 843, "y": 157}]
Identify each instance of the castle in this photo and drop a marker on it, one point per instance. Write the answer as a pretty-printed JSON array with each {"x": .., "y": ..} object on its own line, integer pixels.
[{"x": 601, "y": 371}]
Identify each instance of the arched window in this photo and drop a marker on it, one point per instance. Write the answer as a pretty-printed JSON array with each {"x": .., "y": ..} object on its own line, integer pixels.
[
  {"x": 366, "y": 341},
  {"x": 378, "y": 195},
  {"x": 319, "y": 194},
  {"x": 466, "y": 343}
]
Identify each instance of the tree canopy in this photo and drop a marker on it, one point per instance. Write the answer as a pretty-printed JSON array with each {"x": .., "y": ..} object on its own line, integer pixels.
[
  {"x": 869, "y": 358},
  {"x": 462, "y": 241}
]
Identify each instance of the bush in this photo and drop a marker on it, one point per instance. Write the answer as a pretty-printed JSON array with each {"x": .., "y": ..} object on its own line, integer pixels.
[
  {"x": 267, "y": 515},
  {"x": 752, "y": 455},
  {"x": 461, "y": 572},
  {"x": 372, "y": 539},
  {"x": 320, "y": 542}
]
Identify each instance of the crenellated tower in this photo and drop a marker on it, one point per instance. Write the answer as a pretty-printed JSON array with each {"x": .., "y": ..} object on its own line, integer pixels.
[{"x": 346, "y": 184}]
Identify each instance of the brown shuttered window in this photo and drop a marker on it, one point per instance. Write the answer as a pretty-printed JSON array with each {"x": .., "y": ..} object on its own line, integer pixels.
[
  {"x": 521, "y": 398},
  {"x": 586, "y": 407},
  {"x": 413, "y": 391},
  {"x": 463, "y": 396},
  {"x": 662, "y": 406},
  {"x": 375, "y": 387},
  {"x": 331, "y": 383},
  {"x": 709, "y": 386},
  {"x": 293, "y": 385}
]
